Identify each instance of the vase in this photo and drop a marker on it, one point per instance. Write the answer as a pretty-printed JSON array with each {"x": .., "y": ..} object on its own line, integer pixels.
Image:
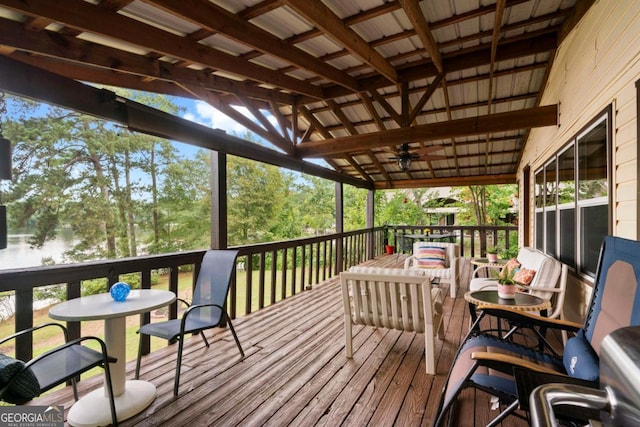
[
  {"x": 119, "y": 291},
  {"x": 506, "y": 291},
  {"x": 389, "y": 249},
  {"x": 492, "y": 257}
]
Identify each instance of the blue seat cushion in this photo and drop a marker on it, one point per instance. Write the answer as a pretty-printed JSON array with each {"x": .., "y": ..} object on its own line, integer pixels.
[
  {"x": 24, "y": 387},
  {"x": 580, "y": 360}
]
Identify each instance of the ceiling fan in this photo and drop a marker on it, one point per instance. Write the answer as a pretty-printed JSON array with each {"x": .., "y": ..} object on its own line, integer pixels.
[{"x": 404, "y": 157}]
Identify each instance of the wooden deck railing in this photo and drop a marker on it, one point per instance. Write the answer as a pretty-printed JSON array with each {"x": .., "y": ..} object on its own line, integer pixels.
[
  {"x": 266, "y": 273},
  {"x": 473, "y": 240}
]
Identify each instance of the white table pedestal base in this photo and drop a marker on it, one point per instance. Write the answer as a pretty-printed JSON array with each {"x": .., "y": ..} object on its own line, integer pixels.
[{"x": 93, "y": 409}]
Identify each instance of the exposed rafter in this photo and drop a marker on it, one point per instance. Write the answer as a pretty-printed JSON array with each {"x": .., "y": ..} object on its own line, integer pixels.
[
  {"x": 421, "y": 27},
  {"x": 217, "y": 19},
  {"x": 322, "y": 17}
]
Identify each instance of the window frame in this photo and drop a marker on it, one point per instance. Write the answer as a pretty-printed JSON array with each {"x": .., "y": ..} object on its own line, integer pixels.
[{"x": 605, "y": 116}]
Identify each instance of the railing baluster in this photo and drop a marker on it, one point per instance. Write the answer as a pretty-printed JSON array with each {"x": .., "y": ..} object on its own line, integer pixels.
[
  {"x": 249, "y": 284},
  {"x": 24, "y": 320},
  {"x": 261, "y": 287},
  {"x": 303, "y": 267},
  {"x": 274, "y": 271},
  {"x": 317, "y": 263},
  {"x": 145, "y": 283},
  {"x": 294, "y": 269}
]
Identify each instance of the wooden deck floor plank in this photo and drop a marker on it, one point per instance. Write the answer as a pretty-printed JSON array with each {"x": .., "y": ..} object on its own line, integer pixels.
[
  {"x": 323, "y": 388},
  {"x": 387, "y": 408},
  {"x": 378, "y": 388},
  {"x": 345, "y": 401},
  {"x": 224, "y": 356},
  {"x": 290, "y": 398},
  {"x": 380, "y": 341},
  {"x": 200, "y": 396},
  {"x": 310, "y": 353},
  {"x": 455, "y": 325}
]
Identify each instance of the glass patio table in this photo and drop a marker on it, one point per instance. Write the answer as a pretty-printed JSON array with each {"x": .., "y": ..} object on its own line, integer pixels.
[{"x": 521, "y": 302}]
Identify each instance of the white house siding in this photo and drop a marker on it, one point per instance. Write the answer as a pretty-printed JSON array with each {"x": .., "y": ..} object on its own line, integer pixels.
[{"x": 597, "y": 65}]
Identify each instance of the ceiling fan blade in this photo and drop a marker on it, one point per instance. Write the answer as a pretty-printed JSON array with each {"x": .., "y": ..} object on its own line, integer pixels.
[
  {"x": 434, "y": 157},
  {"x": 392, "y": 150},
  {"x": 424, "y": 151}
]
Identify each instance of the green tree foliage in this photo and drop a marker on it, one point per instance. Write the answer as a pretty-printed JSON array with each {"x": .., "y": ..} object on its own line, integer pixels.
[
  {"x": 256, "y": 195},
  {"x": 402, "y": 208},
  {"x": 484, "y": 205}
]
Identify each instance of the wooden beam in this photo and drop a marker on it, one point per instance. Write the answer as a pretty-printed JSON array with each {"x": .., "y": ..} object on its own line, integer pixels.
[
  {"x": 372, "y": 111},
  {"x": 217, "y": 19},
  {"x": 322, "y": 17},
  {"x": 308, "y": 115},
  {"x": 358, "y": 168},
  {"x": 420, "y": 25},
  {"x": 513, "y": 120},
  {"x": 68, "y": 48},
  {"x": 274, "y": 136},
  {"x": 428, "y": 93},
  {"x": 386, "y": 106},
  {"x": 31, "y": 82},
  {"x": 282, "y": 122},
  {"x": 458, "y": 181},
  {"x": 84, "y": 16},
  {"x": 353, "y": 131}
]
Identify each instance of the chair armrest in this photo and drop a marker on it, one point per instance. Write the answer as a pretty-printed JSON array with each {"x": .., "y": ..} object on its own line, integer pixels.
[
  {"x": 77, "y": 341},
  {"x": 505, "y": 363},
  {"x": 491, "y": 284},
  {"x": 481, "y": 268},
  {"x": 408, "y": 261},
  {"x": 539, "y": 289},
  {"x": 35, "y": 328},
  {"x": 193, "y": 308},
  {"x": 528, "y": 319},
  {"x": 184, "y": 301}
]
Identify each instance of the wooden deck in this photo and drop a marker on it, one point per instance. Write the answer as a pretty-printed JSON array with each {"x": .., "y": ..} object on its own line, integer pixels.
[{"x": 295, "y": 371}]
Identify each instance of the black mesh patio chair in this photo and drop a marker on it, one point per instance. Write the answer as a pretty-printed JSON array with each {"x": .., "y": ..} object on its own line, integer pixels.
[
  {"x": 21, "y": 381},
  {"x": 487, "y": 362},
  {"x": 404, "y": 245},
  {"x": 206, "y": 311}
]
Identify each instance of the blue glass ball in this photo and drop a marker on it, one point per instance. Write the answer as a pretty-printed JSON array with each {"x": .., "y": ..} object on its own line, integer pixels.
[{"x": 119, "y": 291}]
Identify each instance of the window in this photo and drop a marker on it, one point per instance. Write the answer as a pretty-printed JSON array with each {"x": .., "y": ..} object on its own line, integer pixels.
[{"x": 572, "y": 198}]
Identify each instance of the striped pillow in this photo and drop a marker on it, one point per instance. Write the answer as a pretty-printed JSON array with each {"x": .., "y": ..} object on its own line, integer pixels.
[{"x": 430, "y": 257}]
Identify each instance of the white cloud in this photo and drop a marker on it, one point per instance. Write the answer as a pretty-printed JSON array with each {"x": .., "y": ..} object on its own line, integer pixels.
[{"x": 206, "y": 115}]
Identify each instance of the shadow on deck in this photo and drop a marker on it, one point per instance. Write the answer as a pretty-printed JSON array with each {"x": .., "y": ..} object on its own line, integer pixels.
[{"x": 295, "y": 371}]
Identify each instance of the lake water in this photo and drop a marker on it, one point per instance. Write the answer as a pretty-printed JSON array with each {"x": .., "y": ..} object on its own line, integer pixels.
[{"x": 19, "y": 254}]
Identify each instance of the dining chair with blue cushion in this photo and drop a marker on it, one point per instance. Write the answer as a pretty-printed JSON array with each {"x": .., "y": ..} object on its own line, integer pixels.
[
  {"x": 206, "y": 311},
  {"x": 486, "y": 362},
  {"x": 22, "y": 381}
]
